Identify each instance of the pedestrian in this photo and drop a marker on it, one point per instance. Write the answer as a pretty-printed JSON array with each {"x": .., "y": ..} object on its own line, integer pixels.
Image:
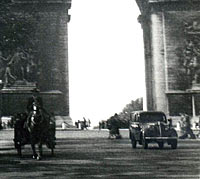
[
  {"x": 76, "y": 124},
  {"x": 113, "y": 126},
  {"x": 198, "y": 135},
  {"x": 100, "y": 124},
  {"x": 186, "y": 127},
  {"x": 89, "y": 122},
  {"x": 84, "y": 123}
]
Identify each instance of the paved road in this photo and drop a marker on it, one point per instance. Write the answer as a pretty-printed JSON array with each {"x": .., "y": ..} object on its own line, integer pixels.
[{"x": 89, "y": 154}]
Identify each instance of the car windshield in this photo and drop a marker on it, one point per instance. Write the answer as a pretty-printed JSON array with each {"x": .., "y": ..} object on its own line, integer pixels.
[{"x": 152, "y": 117}]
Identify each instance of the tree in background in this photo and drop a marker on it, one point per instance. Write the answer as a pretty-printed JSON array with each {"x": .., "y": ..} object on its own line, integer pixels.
[
  {"x": 124, "y": 116},
  {"x": 136, "y": 105}
]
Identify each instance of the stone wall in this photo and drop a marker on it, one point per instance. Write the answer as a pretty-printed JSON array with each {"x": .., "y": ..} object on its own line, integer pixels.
[{"x": 17, "y": 101}]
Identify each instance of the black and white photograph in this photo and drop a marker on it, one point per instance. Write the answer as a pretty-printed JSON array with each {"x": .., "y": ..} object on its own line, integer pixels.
[{"x": 104, "y": 89}]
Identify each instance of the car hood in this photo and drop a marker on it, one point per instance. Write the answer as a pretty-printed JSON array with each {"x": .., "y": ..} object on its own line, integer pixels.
[
  {"x": 153, "y": 124},
  {"x": 156, "y": 129}
]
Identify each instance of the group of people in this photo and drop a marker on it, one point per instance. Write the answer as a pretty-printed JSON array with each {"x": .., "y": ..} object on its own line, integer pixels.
[
  {"x": 83, "y": 124},
  {"x": 102, "y": 125}
]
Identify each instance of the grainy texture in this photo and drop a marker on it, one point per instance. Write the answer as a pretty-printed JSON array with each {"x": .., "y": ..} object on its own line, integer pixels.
[{"x": 89, "y": 154}]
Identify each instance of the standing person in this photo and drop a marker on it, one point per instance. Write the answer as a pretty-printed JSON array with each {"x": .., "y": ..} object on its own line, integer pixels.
[
  {"x": 198, "y": 135},
  {"x": 117, "y": 126},
  {"x": 110, "y": 127},
  {"x": 100, "y": 125},
  {"x": 89, "y": 122},
  {"x": 85, "y": 123},
  {"x": 76, "y": 124}
]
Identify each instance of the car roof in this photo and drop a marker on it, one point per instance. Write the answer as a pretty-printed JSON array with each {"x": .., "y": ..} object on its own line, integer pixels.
[{"x": 149, "y": 112}]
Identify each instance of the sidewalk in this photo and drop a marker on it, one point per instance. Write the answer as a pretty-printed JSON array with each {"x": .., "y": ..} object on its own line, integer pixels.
[{"x": 8, "y": 134}]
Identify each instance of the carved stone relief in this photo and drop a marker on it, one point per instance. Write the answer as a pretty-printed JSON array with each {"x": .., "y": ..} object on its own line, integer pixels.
[
  {"x": 18, "y": 68},
  {"x": 190, "y": 59}
]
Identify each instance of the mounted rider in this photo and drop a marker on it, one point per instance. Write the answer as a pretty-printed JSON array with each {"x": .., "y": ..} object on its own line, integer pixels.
[
  {"x": 34, "y": 99},
  {"x": 36, "y": 126},
  {"x": 35, "y": 107}
]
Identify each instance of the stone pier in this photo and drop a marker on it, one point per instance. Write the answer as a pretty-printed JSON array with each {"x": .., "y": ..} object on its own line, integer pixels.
[
  {"x": 171, "y": 32},
  {"x": 50, "y": 57}
]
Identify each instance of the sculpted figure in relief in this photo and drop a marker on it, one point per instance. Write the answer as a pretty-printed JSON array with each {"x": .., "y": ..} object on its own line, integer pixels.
[
  {"x": 191, "y": 52},
  {"x": 17, "y": 67}
]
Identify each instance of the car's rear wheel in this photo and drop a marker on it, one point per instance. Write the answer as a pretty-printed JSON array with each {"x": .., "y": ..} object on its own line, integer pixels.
[
  {"x": 161, "y": 145},
  {"x": 133, "y": 142},
  {"x": 145, "y": 144},
  {"x": 174, "y": 144}
]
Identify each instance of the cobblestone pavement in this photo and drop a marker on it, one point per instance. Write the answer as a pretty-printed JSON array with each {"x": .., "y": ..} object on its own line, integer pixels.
[{"x": 89, "y": 154}]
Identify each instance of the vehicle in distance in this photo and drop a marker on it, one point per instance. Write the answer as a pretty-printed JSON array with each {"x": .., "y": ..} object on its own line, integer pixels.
[{"x": 151, "y": 126}]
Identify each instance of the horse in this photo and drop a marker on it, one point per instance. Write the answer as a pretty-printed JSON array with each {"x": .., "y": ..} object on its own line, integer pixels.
[{"x": 35, "y": 128}]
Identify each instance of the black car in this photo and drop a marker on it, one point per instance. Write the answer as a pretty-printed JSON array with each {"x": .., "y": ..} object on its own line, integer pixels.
[{"x": 151, "y": 126}]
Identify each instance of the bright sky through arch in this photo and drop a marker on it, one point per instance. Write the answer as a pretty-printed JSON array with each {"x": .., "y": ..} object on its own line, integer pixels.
[{"x": 106, "y": 58}]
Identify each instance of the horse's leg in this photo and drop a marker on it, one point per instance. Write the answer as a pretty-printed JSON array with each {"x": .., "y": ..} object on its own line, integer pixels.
[
  {"x": 34, "y": 152},
  {"x": 39, "y": 157},
  {"x": 19, "y": 150},
  {"x": 52, "y": 151},
  {"x": 18, "y": 146}
]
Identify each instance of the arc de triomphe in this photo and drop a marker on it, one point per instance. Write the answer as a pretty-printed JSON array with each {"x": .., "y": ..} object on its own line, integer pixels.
[
  {"x": 171, "y": 32},
  {"x": 48, "y": 69}
]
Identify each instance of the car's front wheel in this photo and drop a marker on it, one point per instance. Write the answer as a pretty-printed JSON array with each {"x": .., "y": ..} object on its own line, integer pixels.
[
  {"x": 145, "y": 144},
  {"x": 174, "y": 144},
  {"x": 133, "y": 142},
  {"x": 161, "y": 145}
]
